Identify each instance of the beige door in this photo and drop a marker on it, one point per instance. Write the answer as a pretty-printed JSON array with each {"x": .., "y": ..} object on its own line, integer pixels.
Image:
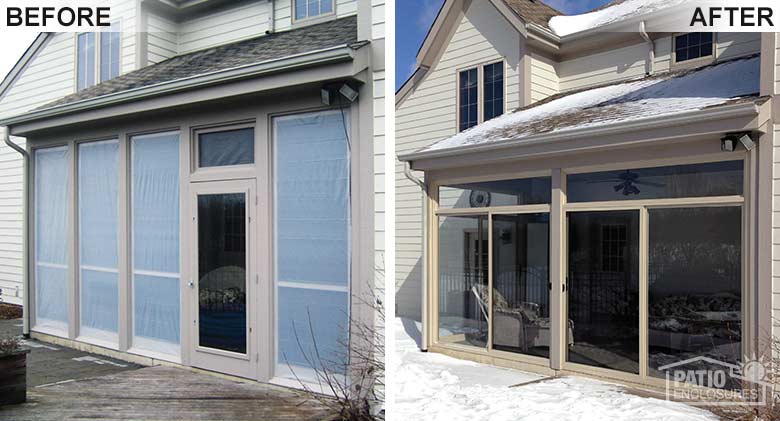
[{"x": 222, "y": 290}]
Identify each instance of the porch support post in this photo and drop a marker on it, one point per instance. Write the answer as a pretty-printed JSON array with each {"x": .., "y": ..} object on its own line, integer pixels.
[
  {"x": 124, "y": 327},
  {"x": 557, "y": 270}
]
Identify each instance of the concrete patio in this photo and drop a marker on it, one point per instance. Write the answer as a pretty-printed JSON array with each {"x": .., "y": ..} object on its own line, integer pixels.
[{"x": 66, "y": 384}]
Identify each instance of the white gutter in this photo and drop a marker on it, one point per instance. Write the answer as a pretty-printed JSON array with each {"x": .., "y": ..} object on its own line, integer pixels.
[
  {"x": 317, "y": 57},
  {"x": 25, "y": 231},
  {"x": 707, "y": 114},
  {"x": 271, "y": 18},
  {"x": 424, "y": 274},
  {"x": 651, "y": 49}
]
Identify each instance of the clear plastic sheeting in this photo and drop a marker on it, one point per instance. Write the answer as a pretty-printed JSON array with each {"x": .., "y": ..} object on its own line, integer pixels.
[
  {"x": 155, "y": 222},
  {"x": 312, "y": 197},
  {"x": 98, "y": 244},
  {"x": 229, "y": 147},
  {"x": 51, "y": 237}
]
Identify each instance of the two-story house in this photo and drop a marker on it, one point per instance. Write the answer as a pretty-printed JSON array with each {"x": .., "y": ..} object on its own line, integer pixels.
[
  {"x": 596, "y": 198},
  {"x": 196, "y": 184}
]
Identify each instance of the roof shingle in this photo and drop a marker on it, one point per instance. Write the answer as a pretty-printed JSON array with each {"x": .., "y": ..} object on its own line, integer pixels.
[
  {"x": 533, "y": 11},
  {"x": 256, "y": 50}
]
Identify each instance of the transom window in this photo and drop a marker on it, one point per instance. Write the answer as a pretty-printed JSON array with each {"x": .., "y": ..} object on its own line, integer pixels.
[
  {"x": 219, "y": 148},
  {"x": 692, "y": 46},
  {"x": 480, "y": 85},
  {"x": 311, "y": 8}
]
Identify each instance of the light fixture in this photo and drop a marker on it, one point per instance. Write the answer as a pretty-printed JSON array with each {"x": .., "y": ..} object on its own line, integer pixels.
[
  {"x": 349, "y": 93},
  {"x": 728, "y": 143},
  {"x": 325, "y": 96},
  {"x": 747, "y": 141}
]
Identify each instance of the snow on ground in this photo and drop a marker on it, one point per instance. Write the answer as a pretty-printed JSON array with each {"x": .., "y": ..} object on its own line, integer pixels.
[
  {"x": 654, "y": 97},
  {"x": 436, "y": 387},
  {"x": 567, "y": 25}
]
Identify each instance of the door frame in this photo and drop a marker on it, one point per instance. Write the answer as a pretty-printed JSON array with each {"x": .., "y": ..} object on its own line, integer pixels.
[{"x": 242, "y": 365}]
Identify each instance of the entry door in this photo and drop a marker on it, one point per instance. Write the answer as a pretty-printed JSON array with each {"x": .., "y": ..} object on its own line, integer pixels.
[{"x": 222, "y": 292}]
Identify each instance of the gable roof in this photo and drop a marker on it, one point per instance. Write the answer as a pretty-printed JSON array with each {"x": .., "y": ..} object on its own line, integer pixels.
[
  {"x": 335, "y": 33},
  {"x": 666, "y": 95},
  {"x": 533, "y": 11}
]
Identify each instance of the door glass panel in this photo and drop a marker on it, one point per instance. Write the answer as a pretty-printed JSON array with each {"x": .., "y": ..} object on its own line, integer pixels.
[
  {"x": 521, "y": 296},
  {"x": 603, "y": 289},
  {"x": 463, "y": 280},
  {"x": 695, "y": 259},
  {"x": 222, "y": 271},
  {"x": 230, "y": 147}
]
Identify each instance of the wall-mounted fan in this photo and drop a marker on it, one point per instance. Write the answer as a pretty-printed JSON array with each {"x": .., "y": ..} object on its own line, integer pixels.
[
  {"x": 627, "y": 183},
  {"x": 479, "y": 199}
]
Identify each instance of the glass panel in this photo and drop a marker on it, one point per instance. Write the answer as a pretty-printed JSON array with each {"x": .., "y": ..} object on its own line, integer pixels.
[
  {"x": 695, "y": 287},
  {"x": 326, "y": 6},
  {"x": 86, "y": 60},
  {"x": 51, "y": 237},
  {"x": 468, "y": 99},
  {"x": 527, "y": 191},
  {"x": 312, "y": 221},
  {"x": 300, "y": 9},
  {"x": 521, "y": 294},
  {"x": 697, "y": 180},
  {"x": 98, "y": 238},
  {"x": 320, "y": 320},
  {"x": 222, "y": 271},
  {"x": 494, "y": 90},
  {"x": 109, "y": 53},
  {"x": 155, "y": 222},
  {"x": 463, "y": 281},
  {"x": 231, "y": 147},
  {"x": 603, "y": 289},
  {"x": 693, "y": 45}
]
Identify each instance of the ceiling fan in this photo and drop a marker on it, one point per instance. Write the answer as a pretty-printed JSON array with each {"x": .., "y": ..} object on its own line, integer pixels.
[{"x": 627, "y": 183}]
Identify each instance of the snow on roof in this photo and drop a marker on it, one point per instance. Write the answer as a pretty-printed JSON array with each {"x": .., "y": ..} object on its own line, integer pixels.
[
  {"x": 567, "y": 25},
  {"x": 655, "y": 96}
]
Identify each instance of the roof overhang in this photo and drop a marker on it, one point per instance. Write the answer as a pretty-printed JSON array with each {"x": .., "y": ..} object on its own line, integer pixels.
[
  {"x": 341, "y": 62},
  {"x": 715, "y": 121}
]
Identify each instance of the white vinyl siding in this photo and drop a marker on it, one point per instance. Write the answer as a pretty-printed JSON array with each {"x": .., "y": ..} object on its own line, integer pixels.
[
  {"x": 245, "y": 21},
  {"x": 163, "y": 38},
  {"x": 776, "y": 202},
  {"x": 429, "y": 114},
  {"x": 544, "y": 77},
  {"x": 606, "y": 67}
]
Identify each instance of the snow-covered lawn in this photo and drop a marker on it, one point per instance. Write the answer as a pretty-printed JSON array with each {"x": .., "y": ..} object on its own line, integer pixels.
[{"x": 436, "y": 387}]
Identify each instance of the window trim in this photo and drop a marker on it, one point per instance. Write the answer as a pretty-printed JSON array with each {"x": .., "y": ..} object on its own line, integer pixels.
[
  {"x": 480, "y": 67},
  {"x": 98, "y": 41},
  {"x": 696, "y": 62},
  {"x": 310, "y": 20}
]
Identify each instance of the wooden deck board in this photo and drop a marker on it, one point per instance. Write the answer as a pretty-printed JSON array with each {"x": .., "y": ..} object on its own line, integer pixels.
[{"x": 162, "y": 393}]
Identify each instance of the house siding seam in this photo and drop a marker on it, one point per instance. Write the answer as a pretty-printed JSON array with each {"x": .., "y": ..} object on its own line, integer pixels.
[{"x": 428, "y": 115}]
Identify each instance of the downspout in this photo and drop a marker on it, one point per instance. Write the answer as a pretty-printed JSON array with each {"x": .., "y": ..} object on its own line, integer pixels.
[
  {"x": 424, "y": 273},
  {"x": 650, "y": 46},
  {"x": 25, "y": 230},
  {"x": 271, "y": 18}
]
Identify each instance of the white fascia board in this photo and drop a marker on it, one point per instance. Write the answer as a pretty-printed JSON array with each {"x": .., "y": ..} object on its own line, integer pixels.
[
  {"x": 285, "y": 64},
  {"x": 657, "y": 122}
]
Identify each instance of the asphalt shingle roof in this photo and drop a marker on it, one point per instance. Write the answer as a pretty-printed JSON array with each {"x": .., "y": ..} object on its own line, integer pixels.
[
  {"x": 534, "y": 11},
  {"x": 666, "y": 94},
  {"x": 256, "y": 50}
]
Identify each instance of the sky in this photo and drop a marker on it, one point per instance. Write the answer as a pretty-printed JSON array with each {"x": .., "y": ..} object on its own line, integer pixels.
[
  {"x": 13, "y": 48},
  {"x": 414, "y": 17}
]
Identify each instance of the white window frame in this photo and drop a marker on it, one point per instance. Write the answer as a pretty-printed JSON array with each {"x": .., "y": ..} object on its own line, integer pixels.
[
  {"x": 312, "y": 18},
  {"x": 97, "y": 56},
  {"x": 480, "y": 91}
]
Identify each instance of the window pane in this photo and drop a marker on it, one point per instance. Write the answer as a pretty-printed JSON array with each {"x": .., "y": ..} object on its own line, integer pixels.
[
  {"x": 695, "y": 287},
  {"x": 51, "y": 237},
  {"x": 312, "y": 221},
  {"x": 86, "y": 60},
  {"x": 98, "y": 241},
  {"x": 521, "y": 296},
  {"x": 494, "y": 90},
  {"x": 310, "y": 8},
  {"x": 231, "y": 147},
  {"x": 698, "y": 180},
  {"x": 155, "y": 259},
  {"x": 468, "y": 99},
  {"x": 463, "y": 283},
  {"x": 527, "y": 191},
  {"x": 603, "y": 289},
  {"x": 109, "y": 53},
  {"x": 693, "y": 45},
  {"x": 222, "y": 271}
]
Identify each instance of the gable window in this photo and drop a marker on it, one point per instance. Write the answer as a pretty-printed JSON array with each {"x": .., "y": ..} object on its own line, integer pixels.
[
  {"x": 480, "y": 94},
  {"x": 109, "y": 53},
  {"x": 311, "y": 8},
  {"x": 86, "y": 60},
  {"x": 493, "y": 81},
  {"x": 468, "y": 99},
  {"x": 692, "y": 46}
]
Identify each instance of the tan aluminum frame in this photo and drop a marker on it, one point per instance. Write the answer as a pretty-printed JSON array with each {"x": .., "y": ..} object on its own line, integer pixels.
[{"x": 558, "y": 209}]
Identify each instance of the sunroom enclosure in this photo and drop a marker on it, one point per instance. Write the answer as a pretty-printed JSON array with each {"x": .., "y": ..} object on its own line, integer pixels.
[{"x": 609, "y": 269}]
